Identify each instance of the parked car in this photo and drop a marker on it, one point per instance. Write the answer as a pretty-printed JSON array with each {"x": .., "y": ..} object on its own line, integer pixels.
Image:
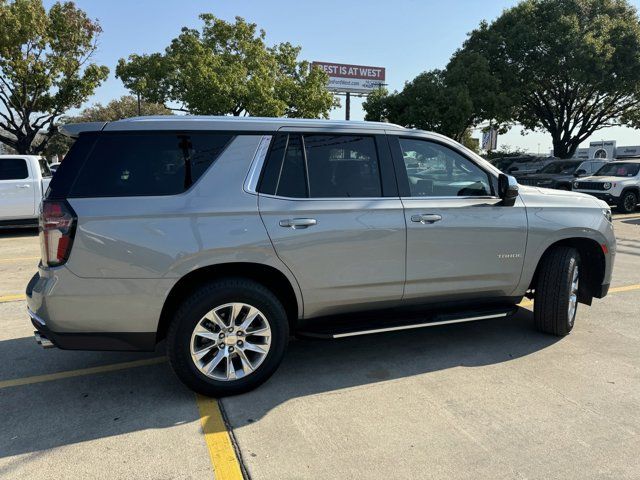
[
  {"x": 617, "y": 183},
  {"x": 23, "y": 181},
  {"x": 560, "y": 174},
  {"x": 502, "y": 164},
  {"x": 54, "y": 166},
  {"x": 226, "y": 235},
  {"x": 528, "y": 164}
]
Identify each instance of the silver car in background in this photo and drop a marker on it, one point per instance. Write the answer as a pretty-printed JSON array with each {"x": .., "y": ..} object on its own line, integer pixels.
[{"x": 224, "y": 236}]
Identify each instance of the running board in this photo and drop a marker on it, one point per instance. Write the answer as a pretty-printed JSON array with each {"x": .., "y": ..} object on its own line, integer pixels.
[{"x": 345, "y": 331}]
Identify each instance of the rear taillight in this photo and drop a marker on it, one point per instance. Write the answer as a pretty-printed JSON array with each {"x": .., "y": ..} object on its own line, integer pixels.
[{"x": 57, "y": 229}]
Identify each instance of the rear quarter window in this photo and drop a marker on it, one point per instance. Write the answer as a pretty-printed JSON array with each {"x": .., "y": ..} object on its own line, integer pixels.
[{"x": 145, "y": 164}]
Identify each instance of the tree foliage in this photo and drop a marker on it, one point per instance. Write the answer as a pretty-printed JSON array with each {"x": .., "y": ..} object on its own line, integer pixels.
[
  {"x": 123, "y": 107},
  {"x": 227, "y": 68},
  {"x": 451, "y": 102},
  {"x": 45, "y": 69},
  {"x": 570, "y": 67}
]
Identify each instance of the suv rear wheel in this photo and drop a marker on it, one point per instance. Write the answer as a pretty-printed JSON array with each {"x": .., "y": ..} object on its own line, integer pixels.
[
  {"x": 556, "y": 297},
  {"x": 228, "y": 337},
  {"x": 628, "y": 202}
]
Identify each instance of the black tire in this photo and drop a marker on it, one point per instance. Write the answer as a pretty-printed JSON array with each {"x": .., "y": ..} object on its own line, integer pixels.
[
  {"x": 205, "y": 299},
  {"x": 628, "y": 202},
  {"x": 553, "y": 289}
]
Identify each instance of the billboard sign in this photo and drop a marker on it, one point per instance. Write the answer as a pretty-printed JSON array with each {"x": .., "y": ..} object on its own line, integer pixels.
[{"x": 352, "y": 78}]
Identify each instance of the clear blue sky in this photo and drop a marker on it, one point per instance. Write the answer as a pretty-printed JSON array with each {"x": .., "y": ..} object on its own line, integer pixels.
[{"x": 405, "y": 36}]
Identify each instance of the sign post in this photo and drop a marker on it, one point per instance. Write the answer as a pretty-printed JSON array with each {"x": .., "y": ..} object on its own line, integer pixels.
[{"x": 345, "y": 79}]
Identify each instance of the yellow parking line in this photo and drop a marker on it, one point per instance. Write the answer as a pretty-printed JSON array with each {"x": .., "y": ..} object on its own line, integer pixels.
[
  {"x": 627, "y": 288},
  {"x": 17, "y": 259},
  {"x": 223, "y": 456},
  {"x": 526, "y": 303},
  {"x": 11, "y": 298},
  {"x": 81, "y": 372}
]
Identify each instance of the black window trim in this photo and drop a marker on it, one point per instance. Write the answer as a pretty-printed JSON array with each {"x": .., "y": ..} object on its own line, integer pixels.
[
  {"x": 99, "y": 133},
  {"x": 403, "y": 180},
  {"x": 388, "y": 180}
]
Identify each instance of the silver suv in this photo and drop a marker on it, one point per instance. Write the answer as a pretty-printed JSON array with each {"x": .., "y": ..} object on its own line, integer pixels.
[{"x": 224, "y": 236}]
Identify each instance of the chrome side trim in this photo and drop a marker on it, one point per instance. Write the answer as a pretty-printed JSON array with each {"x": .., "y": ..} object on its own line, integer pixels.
[
  {"x": 36, "y": 317},
  {"x": 251, "y": 183},
  {"x": 410, "y": 327}
]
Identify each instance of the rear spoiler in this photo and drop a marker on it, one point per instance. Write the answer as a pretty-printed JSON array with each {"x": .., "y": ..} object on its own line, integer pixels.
[{"x": 72, "y": 130}]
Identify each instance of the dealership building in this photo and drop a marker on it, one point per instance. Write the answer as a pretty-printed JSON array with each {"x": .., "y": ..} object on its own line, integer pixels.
[{"x": 607, "y": 149}]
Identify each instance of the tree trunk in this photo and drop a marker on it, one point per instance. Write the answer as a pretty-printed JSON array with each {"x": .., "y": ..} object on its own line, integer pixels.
[
  {"x": 564, "y": 149},
  {"x": 23, "y": 145}
]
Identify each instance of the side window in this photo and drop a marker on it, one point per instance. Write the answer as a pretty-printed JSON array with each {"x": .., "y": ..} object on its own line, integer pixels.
[
  {"x": 342, "y": 166},
  {"x": 293, "y": 179},
  {"x": 322, "y": 166},
  {"x": 434, "y": 170},
  {"x": 13, "y": 169},
  {"x": 146, "y": 163}
]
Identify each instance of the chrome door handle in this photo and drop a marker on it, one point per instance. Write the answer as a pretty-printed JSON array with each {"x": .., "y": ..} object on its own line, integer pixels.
[
  {"x": 426, "y": 218},
  {"x": 297, "y": 223}
]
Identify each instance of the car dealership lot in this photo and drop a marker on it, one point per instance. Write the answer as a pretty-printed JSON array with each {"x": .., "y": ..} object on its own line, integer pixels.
[{"x": 491, "y": 399}]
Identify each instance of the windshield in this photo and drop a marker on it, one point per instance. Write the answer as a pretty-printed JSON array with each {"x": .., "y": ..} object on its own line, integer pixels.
[
  {"x": 561, "y": 167},
  {"x": 618, "y": 170}
]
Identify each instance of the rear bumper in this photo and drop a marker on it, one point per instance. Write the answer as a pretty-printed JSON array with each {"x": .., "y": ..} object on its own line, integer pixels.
[
  {"x": 96, "y": 313},
  {"x": 95, "y": 340}
]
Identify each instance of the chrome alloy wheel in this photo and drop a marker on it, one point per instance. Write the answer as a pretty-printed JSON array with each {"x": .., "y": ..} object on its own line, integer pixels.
[
  {"x": 230, "y": 342},
  {"x": 573, "y": 295}
]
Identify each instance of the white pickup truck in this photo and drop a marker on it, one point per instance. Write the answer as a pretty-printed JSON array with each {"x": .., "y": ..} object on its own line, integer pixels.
[{"x": 24, "y": 179}]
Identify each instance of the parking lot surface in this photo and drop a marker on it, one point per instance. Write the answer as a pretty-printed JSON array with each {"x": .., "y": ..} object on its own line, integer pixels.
[{"x": 492, "y": 399}]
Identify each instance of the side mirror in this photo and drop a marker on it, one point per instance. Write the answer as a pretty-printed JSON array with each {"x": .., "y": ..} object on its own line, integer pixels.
[
  {"x": 580, "y": 173},
  {"x": 507, "y": 189}
]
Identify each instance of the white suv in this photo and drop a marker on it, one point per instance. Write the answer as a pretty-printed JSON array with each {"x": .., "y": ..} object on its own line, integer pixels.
[{"x": 617, "y": 183}]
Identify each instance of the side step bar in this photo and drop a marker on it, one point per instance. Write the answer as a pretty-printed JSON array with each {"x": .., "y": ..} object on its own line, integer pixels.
[{"x": 377, "y": 326}]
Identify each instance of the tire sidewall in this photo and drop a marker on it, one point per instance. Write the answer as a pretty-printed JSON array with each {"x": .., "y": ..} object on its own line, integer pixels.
[
  {"x": 623, "y": 202},
  {"x": 187, "y": 318}
]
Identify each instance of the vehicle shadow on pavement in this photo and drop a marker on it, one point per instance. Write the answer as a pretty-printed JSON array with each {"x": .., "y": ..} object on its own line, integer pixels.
[
  {"x": 46, "y": 415},
  {"x": 315, "y": 366},
  {"x": 68, "y": 411}
]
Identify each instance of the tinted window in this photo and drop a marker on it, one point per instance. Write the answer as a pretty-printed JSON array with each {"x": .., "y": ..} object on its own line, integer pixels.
[
  {"x": 560, "y": 167},
  {"x": 434, "y": 170},
  {"x": 292, "y": 181},
  {"x": 342, "y": 166},
  {"x": 322, "y": 166},
  {"x": 13, "y": 169},
  {"x": 146, "y": 164},
  {"x": 273, "y": 164}
]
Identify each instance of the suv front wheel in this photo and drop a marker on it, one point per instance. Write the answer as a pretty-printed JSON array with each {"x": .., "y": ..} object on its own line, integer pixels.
[
  {"x": 228, "y": 337},
  {"x": 556, "y": 296}
]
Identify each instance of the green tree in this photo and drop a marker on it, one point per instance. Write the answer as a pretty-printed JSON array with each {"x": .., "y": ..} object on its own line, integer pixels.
[
  {"x": 45, "y": 69},
  {"x": 427, "y": 103},
  {"x": 123, "y": 107},
  {"x": 570, "y": 67},
  {"x": 227, "y": 68}
]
